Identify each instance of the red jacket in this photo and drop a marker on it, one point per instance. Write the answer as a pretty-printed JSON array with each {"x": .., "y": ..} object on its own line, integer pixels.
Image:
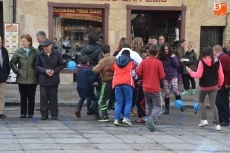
[
  {"x": 151, "y": 71},
  {"x": 225, "y": 62},
  {"x": 123, "y": 75}
]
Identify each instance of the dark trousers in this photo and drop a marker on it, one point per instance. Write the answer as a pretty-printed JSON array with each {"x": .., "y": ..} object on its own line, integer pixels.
[
  {"x": 27, "y": 92},
  {"x": 106, "y": 94},
  {"x": 187, "y": 77},
  {"x": 180, "y": 71},
  {"x": 49, "y": 100},
  {"x": 95, "y": 104},
  {"x": 222, "y": 103},
  {"x": 140, "y": 101}
]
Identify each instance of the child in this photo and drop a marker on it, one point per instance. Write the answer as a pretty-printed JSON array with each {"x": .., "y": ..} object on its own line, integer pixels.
[
  {"x": 150, "y": 71},
  {"x": 211, "y": 78},
  {"x": 171, "y": 64},
  {"x": 123, "y": 84},
  {"x": 85, "y": 79},
  {"x": 103, "y": 67},
  {"x": 140, "y": 99}
]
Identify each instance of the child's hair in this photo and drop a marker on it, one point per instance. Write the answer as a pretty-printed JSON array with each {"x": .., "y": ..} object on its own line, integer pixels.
[
  {"x": 153, "y": 37},
  {"x": 162, "y": 54},
  {"x": 105, "y": 49},
  {"x": 127, "y": 46},
  {"x": 143, "y": 50},
  {"x": 125, "y": 52},
  {"x": 122, "y": 42},
  {"x": 207, "y": 51},
  {"x": 84, "y": 59},
  {"x": 148, "y": 45},
  {"x": 136, "y": 44},
  {"x": 153, "y": 50}
]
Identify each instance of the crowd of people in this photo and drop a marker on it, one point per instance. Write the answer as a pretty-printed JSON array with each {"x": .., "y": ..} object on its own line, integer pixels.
[{"x": 129, "y": 81}]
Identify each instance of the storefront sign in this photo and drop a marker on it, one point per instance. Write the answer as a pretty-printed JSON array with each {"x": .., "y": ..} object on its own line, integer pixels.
[
  {"x": 11, "y": 36},
  {"x": 81, "y": 14},
  {"x": 131, "y": 0}
]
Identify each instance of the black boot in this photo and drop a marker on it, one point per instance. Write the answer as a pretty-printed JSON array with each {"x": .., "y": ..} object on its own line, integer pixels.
[
  {"x": 167, "y": 101},
  {"x": 179, "y": 98}
]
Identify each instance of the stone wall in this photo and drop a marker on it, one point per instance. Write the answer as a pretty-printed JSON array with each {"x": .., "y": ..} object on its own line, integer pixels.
[{"x": 32, "y": 16}]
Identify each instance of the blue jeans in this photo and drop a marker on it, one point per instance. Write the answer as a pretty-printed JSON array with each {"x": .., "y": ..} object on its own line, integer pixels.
[
  {"x": 95, "y": 104},
  {"x": 123, "y": 94}
]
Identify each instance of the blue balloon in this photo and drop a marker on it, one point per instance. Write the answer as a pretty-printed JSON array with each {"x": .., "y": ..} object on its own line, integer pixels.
[
  {"x": 196, "y": 106},
  {"x": 71, "y": 65},
  {"x": 178, "y": 104}
]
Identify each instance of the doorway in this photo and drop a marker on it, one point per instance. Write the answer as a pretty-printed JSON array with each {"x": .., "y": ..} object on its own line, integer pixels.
[{"x": 1, "y": 20}]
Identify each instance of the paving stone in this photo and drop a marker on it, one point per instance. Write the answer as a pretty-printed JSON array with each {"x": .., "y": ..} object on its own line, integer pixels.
[
  {"x": 135, "y": 139},
  {"x": 78, "y": 146},
  {"x": 8, "y": 147},
  {"x": 8, "y": 141},
  {"x": 35, "y": 147},
  {"x": 71, "y": 140},
  {"x": 45, "y": 151},
  {"x": 113, "y": 146},
  {"x": 83, "y": 151},
  {"x": 37, "y": 141}
]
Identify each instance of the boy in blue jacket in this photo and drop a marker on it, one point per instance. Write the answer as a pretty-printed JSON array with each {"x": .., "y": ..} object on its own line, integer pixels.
[{"x": 85, "y": 79}]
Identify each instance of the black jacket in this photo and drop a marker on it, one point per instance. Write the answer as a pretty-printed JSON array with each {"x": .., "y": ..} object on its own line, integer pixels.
[
  {"x": 93, "y": 51},
  {"x": 54, "y": 62},
  {"x": 85, "y": 78},
  {"x": 5, "y": 69}
]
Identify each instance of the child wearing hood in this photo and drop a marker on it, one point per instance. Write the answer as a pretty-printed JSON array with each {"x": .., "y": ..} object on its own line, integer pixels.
[{"x": 123, "y": 84}]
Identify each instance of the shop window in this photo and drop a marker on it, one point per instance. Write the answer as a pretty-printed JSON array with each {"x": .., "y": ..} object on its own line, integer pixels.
[{"x": 71, "y": 28}]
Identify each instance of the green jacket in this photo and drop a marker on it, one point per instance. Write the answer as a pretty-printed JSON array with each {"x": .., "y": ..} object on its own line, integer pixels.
[
  {"x": 24, "y": 66},
  {"x": 192, "y": 63}
]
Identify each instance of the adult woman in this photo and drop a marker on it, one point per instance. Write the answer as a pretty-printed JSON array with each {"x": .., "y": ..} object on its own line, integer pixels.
[
  {"x": 122, "y": 42},
  {"x": 208, "y": 66},
  {"x": 136, "y": 45},
  {"x": 23, "y": 64},
  {"x": 191, "y": 62},
  {"x": 171, "y": 64}
]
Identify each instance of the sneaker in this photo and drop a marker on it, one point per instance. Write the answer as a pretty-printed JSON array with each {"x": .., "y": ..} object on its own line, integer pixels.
[
  {"x": 30, "y": 116},
  {"x": 193, "y": 92},
  {"x": 44, "y": 117},
  {"x": 116, "y": 122},
  {"x": 23, "y": 116},
  {"x": 217, "y": 127},
  {"x": 54, "y": 117},
  {"x": 97, "y": 117},
  {"x": 185, "y": 92},
  {"x": 203, "y": 123},
  {"x": 78, "y": 113},
  {"x": 104, "y": 119},
  {"x": 127, "y": 121},
  {"x": 150, "y": 124}
]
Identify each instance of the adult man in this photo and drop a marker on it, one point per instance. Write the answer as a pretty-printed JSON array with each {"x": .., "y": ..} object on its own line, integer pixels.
[
  {"x": 161, "y": 40},
  {"x": 93, "y": 51},
  {"x": 226, "y": 48},
  {"x": 41, "y": 36},
  {"x": 153, "y": 40},
  {"x": 180, "y": 53},
  {"x": 222, "y": 100},
  {"x": 4, "y": 72},
  {"x": 49, "y": 63}
]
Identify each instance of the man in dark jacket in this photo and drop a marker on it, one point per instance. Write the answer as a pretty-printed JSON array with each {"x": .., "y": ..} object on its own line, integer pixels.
[
  {"x": 226, "y": 48},
  {"x": 41, "y": 36},
  {"x": 222, "y": 99},
  {"x": 94, "y": 52},
  {"x": 4, "y": 72},
  {"x": 180, "y": 53},
  {"x": 49, "y": 63}
]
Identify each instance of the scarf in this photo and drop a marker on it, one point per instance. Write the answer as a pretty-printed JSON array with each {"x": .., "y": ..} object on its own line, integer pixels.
[{"x": 27, "y": 51}]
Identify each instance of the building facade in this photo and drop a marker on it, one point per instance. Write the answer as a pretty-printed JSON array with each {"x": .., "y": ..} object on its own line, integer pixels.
[{"x": 67, "y": 22}]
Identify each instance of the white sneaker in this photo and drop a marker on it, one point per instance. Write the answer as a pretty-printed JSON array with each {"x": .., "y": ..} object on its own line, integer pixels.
[
  {"x": 217, "y": 128},
  {"x": 116, "y": 122},
  {"x": 203, "y": 123},
  {"x": 127, "y": 121}
]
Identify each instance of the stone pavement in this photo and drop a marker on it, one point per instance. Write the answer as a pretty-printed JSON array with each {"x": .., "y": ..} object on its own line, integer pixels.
[
  {"x": 175, "y": 133},
  {"x": 67, "y": 95}
]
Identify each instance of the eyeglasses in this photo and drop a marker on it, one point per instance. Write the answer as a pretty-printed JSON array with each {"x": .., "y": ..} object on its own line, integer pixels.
[{"x": 161, "y": 39}]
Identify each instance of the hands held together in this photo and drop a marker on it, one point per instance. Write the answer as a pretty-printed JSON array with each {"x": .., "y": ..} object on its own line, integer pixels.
[{"x": 49, "y": 72}]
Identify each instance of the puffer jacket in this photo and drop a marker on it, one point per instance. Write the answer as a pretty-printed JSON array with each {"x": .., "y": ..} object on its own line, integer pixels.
[
  {"x": 5, "y": 68},
  {"x": 93, "y": 51},
  {"x": 192, "y": 63},
  {"x": 122, "y": 69},
  {"x": 24, "y": 66},
  {"x": 103, "y": 67}
]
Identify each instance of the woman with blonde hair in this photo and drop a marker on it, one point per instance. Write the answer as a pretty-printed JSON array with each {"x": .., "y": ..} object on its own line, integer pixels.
[
  {"x": 191, "y": 62},
  {"x": 137, "y": 43}
]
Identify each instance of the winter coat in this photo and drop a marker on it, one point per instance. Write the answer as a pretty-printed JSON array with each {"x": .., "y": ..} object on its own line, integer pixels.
[
  {"x": 103, "y": 67},
  {"x": 122, "y": 69},
  {"x": 24, "y": 66},
  {"x": 225, "y": 62},
  {"x": 170, "y": 64},
  {"x": 54, "y": 62},
  {"x": 5, "y": 68},
  {"x": 85, "y": 78},
  {"x": 93, "y": 51},
  {"x": 192, "y": 63},
  {"x": 180, "y": 53}
]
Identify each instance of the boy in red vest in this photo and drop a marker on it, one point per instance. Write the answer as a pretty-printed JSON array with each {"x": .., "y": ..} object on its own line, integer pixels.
[
  {"x": 123, "y": 84},
  {"x": 151, "y": 71}
]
